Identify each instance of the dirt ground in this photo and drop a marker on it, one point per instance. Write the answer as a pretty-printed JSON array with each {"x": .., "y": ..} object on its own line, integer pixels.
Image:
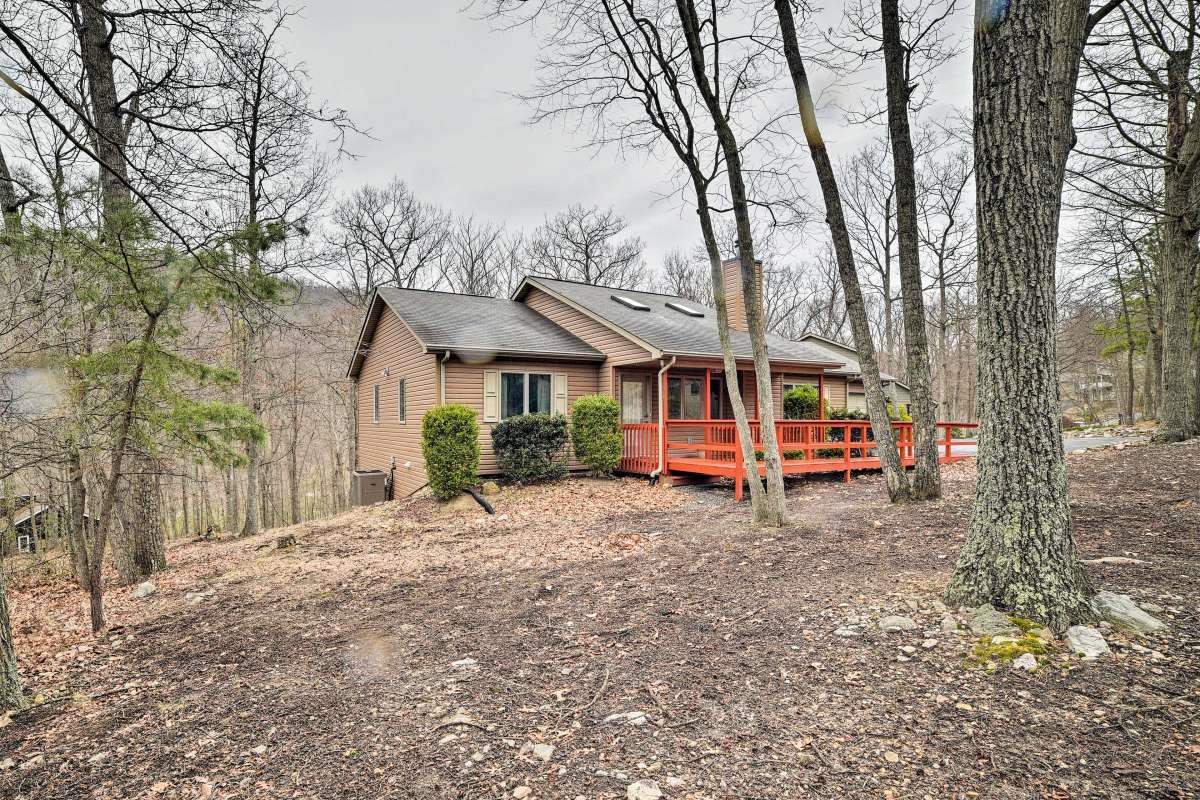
[{"x": 629, "y": 633}]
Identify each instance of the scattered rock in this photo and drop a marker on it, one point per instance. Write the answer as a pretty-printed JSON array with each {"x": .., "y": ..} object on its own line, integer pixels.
[
  {"x": 1113, "y": 560},
  {"x": 464, "y": 663},
  {"x": 632, "y": 717},
  {"x": 949, "y": 624},
  {"x": 1123, "y": 613},
  {"x": 99, "y": 758},
  {"x": 448, "y": 738},
  {"x": 33, "y": 763},
  {"x": 897, "y": 623},
  {"x": 538, "y": 750},
  {"x": 643, "y": 790},
  {"x": 891, "y": 758},
  {"x": 908, "y": 650},
  {"x": 144, "y": 589},
  {"x": 1086, "y": 641},
  {"x": 285, "y": 541},
  {"x": 1026, "y": 662},
  {"x": 987, "y": 621},
  {"x": 7, "y": 763},
  {"x": 1151, "y": 608},
  {"x": 929, "y": 644},
  {"x": 521, "y": 791},
  {"x": 847, "y": 632},
  {"x": 490, "y": 488}
]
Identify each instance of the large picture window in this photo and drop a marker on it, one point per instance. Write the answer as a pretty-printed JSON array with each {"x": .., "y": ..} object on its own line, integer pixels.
[
  {"x": 685, "y": 397},
  {"x": 525, "y": 393}
]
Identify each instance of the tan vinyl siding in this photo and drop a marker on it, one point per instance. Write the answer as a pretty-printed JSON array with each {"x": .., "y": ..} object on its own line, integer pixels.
[
  {"x": 617, "y": 348},
  {"x": 397, "y": 351},
  {"x": 464, "y": 385},
  {"x": 835, "y": 391}
]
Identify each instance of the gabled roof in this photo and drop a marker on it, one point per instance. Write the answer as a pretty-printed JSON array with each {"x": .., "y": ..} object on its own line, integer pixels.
[
  {"x": 667, "y": 330},
  {"x": 848, "y": 354},
  {"x": 471, "y": 325}
]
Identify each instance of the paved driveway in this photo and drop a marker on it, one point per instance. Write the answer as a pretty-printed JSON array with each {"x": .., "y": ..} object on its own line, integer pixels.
[{"x": 1070, "y": 445}]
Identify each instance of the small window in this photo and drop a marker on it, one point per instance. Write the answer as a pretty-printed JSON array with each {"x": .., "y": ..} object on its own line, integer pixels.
[
  {"x": 629, "y": 302},
  {"x": 375, "y": 403},
  {"x": 525, "y": 393},
  {"x": 402, "y": 400},
  {"x": 685, "y": 398}
]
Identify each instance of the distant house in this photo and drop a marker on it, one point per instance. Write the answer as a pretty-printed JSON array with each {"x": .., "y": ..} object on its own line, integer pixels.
[
  {"x": 554, "y": 341},
  {"x": 856, "y": 395},
  {"x": 28, "y": 525}
]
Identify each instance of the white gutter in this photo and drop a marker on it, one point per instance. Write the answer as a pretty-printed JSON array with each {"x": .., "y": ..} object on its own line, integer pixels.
[
  {"x": 662, "y": 420},
  {"x": 442, "y": 377}
]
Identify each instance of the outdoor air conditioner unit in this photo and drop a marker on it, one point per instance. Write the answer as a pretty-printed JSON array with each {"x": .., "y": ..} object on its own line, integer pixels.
[{"x": 368, "y": 487}]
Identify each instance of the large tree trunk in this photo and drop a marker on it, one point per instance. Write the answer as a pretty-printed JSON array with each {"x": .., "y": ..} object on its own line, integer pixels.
[
  {"x": 77, "y": 533},
  {"x": 10, "y": 683},
  {"x": 773, "y": 511},
  {"x": 1178, "y": 413},
  {"x": 1020, "y": 552},
  {"x": 1127, "y": 413},
  {"x": 253, "y": 520},
  {"x": 881, "y": 424},
  {"x": 139, "y": 540},
  {"x": 927, "y": 478}
]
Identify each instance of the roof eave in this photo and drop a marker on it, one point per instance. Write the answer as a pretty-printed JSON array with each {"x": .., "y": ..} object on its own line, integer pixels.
[{"x": 542, "y": 354}]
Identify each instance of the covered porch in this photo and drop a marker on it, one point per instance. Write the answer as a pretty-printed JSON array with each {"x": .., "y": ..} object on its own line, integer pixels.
[{"x": 699, "y": 437}]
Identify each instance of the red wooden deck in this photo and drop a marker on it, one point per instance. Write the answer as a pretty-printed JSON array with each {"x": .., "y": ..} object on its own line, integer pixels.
[{"x": 710, "y": 447}]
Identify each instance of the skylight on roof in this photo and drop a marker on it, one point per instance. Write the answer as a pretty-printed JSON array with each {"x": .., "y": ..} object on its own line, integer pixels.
[
  {"x": 629, "y": 302},
  {"x": 682, "y": 309}
]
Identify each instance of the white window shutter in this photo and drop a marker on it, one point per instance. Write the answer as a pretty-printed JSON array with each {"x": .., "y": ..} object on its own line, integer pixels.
[
  {"x": 560, "y": 392},
  {"x": 491, "y": 395}
]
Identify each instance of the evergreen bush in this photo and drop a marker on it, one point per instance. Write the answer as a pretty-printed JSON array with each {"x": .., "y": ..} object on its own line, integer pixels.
[
  {"x": 450, "y": 443},
  {"x": 596, "y": 433},
  {"x": 800, "y": 402},
  {"x": 532, "y": 447}
]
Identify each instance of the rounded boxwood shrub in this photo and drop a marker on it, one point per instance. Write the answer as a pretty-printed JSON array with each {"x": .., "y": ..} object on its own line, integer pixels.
[
  {"x": 800, "y": 402},
  {"x": 531, "y": 448},
  {"x": 596, "y": 433},
  {"x": 450, "y": 443}
]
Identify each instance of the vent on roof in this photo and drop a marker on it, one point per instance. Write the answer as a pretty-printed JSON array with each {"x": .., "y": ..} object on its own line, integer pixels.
[
  {"x": 629, "y": 302},
  {"x": 682, "y": 309}
]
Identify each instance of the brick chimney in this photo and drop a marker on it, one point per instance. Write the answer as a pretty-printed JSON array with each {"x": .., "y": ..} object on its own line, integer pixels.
[{"x": 735, "y": 301}]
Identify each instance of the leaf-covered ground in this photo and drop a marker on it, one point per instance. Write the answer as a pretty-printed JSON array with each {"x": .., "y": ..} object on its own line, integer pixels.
[{"x": 635, "y": 633}]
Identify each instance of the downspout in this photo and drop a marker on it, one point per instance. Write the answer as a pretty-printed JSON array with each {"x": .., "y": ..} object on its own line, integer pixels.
[
  {"x": 442, "y": 377},
  {"x": 662, "y": 422}
]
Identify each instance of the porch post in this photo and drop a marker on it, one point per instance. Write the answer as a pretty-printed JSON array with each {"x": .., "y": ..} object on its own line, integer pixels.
[
  {"x": 821, "y": 395},
  {"x": 662, "y": 422},
  {"x": 708, "y": 392}
]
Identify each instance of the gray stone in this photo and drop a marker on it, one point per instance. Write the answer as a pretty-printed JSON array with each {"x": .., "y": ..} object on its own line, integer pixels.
[
  {"x": 897, "y": 623},
  {"x": 541, "y": 751},
  {"x": 490, "y": 488},
  {"x": 949, "y": 624},
  {"x": 643, "y": 790},
  {"x": 144, "y": 589},
  {"x": 1026, "y": 662},
  {"x": 987, "y": 621},
  {"x": 632, "y": 717},
  {"x": 1151, "y": 608},
  {"x": 929, "y": 644},
  {"x": 908, "y": 650},
  {"x": 847, "y": 632},
  {"x": 1123, "y": 613},
  {"x": 1086, "y": 641}
]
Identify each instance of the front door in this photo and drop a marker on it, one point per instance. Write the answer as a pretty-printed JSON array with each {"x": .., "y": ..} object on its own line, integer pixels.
[{"x": 635, "y": 398}]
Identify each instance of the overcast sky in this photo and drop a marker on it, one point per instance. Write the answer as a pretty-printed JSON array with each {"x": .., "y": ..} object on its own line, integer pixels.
[{"x": 434, "y": 87}]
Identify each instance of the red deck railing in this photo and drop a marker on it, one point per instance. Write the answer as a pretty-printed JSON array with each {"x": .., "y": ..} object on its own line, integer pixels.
[{"x": 710, "y": 447}]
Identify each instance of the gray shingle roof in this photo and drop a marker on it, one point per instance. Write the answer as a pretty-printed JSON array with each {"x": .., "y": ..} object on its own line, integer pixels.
[
  {"x": 460, "y": 322},
  {"x": 843, "y": 352},
  {"x": 673, "y": 332}
]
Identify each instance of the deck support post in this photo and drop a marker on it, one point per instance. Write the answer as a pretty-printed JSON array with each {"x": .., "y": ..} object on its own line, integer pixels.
[
  {"x": 820, "y": 395},
  {"x": 662, "y": 424}
]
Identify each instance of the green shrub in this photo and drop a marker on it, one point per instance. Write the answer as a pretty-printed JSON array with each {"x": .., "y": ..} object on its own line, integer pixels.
[
  {"x": 596, "y": 433},
  {"x": 531, "y": 448},
  {"x": 450, "y": 443},
  {"x": 800, "y": 402}
]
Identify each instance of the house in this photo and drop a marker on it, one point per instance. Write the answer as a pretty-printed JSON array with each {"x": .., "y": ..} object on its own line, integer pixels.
[
  {"x": 28, "y": 525},
  {"x": 554, "y": 341},
  {"x": 856, "y": 395}
]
